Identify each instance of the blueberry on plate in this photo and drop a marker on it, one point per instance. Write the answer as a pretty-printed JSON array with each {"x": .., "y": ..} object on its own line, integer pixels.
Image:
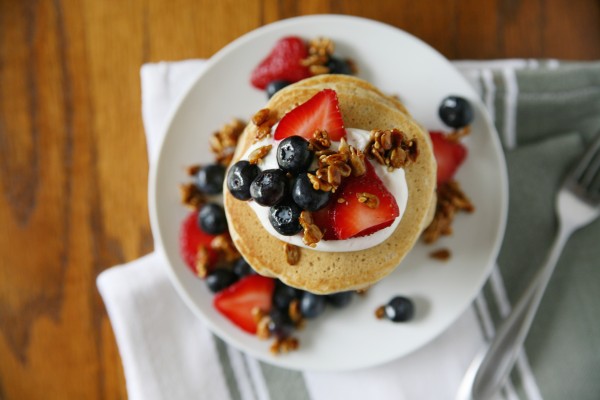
[
  {"x": 340, "y": 299},
  {"x": 338, "y": 66},
  {"x": 280, "y": 323},
  {"x": 399, "y": 309},
  {"x": 219, "y": 279},
  {"x": 305, "y": 195},
  {"x": 312, "y": 305},
  {"x": 456, "y": 112},
  {"x": 284, "y": 294},
  {"x": 293, "y": 154},
  {"x": 210, "y": 179},
  {"x": 275, "y": 86},
  {"x": 241, "y": 268},
  {"x": 212, "y": 219},
  {"x": 240, "y": 177},
  {"x": 269, "y": 187},
  {"x": 285, "y": 218}
]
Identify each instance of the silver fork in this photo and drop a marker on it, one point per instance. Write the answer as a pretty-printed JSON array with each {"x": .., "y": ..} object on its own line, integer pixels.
[{"x": 577, "y": 204}]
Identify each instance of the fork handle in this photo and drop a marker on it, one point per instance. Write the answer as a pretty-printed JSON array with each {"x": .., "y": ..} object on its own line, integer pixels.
[{"x": 504, "y": 349}]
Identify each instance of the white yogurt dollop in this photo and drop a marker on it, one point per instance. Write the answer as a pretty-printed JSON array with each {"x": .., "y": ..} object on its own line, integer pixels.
[{"x": 394, "y": 181}]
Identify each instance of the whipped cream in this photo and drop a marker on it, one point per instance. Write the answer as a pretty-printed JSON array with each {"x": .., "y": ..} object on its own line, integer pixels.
[{"x": 394, "y": 181}]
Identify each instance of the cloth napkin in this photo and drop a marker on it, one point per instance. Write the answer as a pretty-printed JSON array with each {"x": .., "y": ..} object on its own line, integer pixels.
[{"x": 546, "y": 112}]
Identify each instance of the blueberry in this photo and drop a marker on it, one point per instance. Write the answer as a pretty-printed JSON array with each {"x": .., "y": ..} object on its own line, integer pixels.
[
  {"x": 275, "y": 86},
  {"x": 281, "y": 324},
  {"x": 268, "y": 188},
  {"x": 241, "y": 268},
  {"x": 284, "y": 294},
  {"x": 212, "y": 219},
  {"x": 340, "y": 299},
  {"x": 210, "y": 179},
  {"x": 240, "y": 177},
  {"x": 219, "y": 279},
  {"x": 338, "y": 66},
  {"x": 312, "y": 305},
  {"x": 399, "y": 309},
  {"x": 293, "y": 154},
  {"x": 305, "y": 195},
  {"x": 285, "y": 217},
  {"x": 456, "y": 112}
]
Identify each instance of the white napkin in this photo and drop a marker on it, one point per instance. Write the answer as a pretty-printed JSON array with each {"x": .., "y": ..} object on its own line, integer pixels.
[{"x": 167, "y": 353}]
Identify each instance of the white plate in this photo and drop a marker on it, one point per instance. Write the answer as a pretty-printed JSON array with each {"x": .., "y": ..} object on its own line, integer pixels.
[{"x": 397, "y": 63}]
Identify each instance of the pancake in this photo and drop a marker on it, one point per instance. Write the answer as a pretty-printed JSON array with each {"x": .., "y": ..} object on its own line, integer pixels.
[{"x": 363, "y": 107}]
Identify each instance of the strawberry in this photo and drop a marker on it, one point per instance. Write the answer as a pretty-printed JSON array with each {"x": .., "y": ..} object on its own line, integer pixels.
[
  {"x": 351, "y": 218},
  {"x": 283, "y": 63},
  {"x": 319, "y": 112},
  {"x": 449, "y": 155},
  {"x": 324, "y": 220},
  {"x": 237, "y": 301},
  {"x": 191, "y": 238}
]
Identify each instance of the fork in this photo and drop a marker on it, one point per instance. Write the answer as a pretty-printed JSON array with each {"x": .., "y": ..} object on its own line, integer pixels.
[{"x": 577, "y": 204}]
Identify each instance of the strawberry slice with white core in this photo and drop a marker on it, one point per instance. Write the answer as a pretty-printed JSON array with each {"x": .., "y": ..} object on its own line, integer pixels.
[
  {"x": 449, "y": 155},
  {"x": 237, "y": 301},
  {"x": 353, "y": 218},
  {"x": 320, "y": 112}
]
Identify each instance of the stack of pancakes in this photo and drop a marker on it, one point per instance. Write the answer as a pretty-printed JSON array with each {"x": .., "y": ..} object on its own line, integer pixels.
[{"x": 363, "y": 107}]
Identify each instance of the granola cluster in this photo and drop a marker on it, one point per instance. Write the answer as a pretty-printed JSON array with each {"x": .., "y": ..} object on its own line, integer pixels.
[
  {"x": 312, "y": 234},
  {"x": 390, "y": 147},
  {"x": 223, "y": 141},
  {"x": 281, "y": 344},
  {"x": 227, "y": 254},
  {"x": 450, "y": 200},
  {"x": 264, "y": 121},
  {"x": 320, "y": 52}
]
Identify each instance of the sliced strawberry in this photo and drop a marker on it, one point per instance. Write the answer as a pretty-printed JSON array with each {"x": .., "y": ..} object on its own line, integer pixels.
[
  {"x": 283, "y": 63},
  {"x": 191, "y": 239},
  {"x": 449, "y": 155},
  {"x": 322, "y": 111},
  {"x": 324, "y": 220},
  {"x": 237, "y": 301},
  {"x": 352, "y": 218}
]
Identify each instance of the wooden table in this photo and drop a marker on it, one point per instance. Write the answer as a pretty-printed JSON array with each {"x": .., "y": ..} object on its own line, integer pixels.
[{"x": 73, "y": 166}]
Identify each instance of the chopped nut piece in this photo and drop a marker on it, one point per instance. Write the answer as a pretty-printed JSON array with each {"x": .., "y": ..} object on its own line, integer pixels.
[
  {"x": 368, "y": 199},
  {"x": 261, "y": 116},
  {"x": 202, "y": 262},
  {"x": 284, "y": 345},
  {"x": 262, "y": 327},
  {"x": 357, "y": 161},
  {"x": 191, "y": 196},
  {"x": 380, "y": 312},
  {"x": 450, "y": 199},
  {"x": 224, "y": 246},
  {"x": 312, "y": 233},
  {"x": 441, "y": 254},
  {"x": 292, "y": 253},
  {"x": 193, "y": 169},
  {"x": 319, "y": 141},
  {"x": 294, "y": 313},
  {"x": 318, "y": 69},
  {"x": 259, "y": 154}
]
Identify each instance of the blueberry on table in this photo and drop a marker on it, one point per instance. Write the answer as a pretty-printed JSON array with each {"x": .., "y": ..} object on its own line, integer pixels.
[
  {"x": 285, "y": 218},
  {"x": 269, "y": 187},
  {"x": 209, "y": 179},
  {"x": 293, "y": 154},
  {"x": 340, "y": 299},
  {"x": 219, "y": 279},
  {"x": 399, "y": 309},
  {"x": 306, "y": 196},
  {"x": 338, "y": 66},
  {"x": 275, "y": 86},
  {"x": 456, "y": 112},
  {"x": 212, "y": 219},
  {"x": 240, "y": 177},
  {"x": 312, "y": 305}
]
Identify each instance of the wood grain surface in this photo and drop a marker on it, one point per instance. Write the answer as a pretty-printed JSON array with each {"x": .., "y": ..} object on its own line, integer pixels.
[{"x": 73, "y": 166}]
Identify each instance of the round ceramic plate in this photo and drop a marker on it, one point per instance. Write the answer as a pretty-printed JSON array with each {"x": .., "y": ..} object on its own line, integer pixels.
[{"x": 399, "y": 64}]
